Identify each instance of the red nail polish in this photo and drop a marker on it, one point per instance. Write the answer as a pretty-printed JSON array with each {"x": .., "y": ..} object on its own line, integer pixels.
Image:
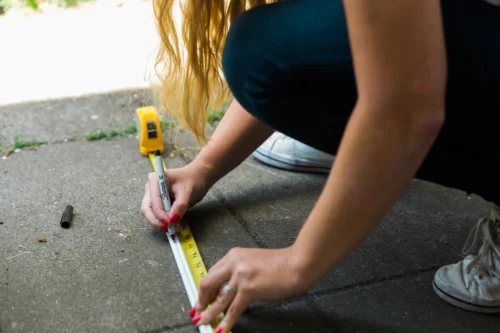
[
  {"x": 196, "y": 319},
  {"x": 164, "y": 228},
  {"x": 192, "y": 312},
  {"x": 165, "y": 222},
  {"x": 174, "y": 218},
  {"x": 219, "y": 330}
]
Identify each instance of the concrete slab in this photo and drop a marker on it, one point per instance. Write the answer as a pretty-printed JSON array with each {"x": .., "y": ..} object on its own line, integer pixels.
[
  {"x": 399, "y": 306},
  {"x": 426, "y": 229},
  {"x": 184, "y": 141},
  {"x": 71, "y": 117},
  {"x": 293, "y": 317},
  {"x": 110, "y": 271}
]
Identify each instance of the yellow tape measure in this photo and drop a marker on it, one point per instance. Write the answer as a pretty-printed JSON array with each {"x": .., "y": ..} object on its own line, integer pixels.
[
  {"x": 150, "y": 139},
  {"x": 198, "y": 269}
]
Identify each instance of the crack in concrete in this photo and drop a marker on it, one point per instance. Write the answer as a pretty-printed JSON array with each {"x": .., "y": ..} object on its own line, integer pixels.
[
  {"x": 58, "y": 141},
  {"x": 308, "y": 298},
  {"x": 321, "y": 315},
  {"x": 81, "y": 138},
  {"x": 370, "y": 283},
  {"x": 7, "y": 150},
  {"x": 240, "y": 219}
]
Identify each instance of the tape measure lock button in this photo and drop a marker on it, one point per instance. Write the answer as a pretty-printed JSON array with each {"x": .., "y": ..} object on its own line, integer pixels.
[{"x": 152, "y": 131}]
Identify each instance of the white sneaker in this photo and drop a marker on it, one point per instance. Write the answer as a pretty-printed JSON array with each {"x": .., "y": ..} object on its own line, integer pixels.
[
  {"x": 474, "y": 283},
  {"x": 286, "y": 153}
]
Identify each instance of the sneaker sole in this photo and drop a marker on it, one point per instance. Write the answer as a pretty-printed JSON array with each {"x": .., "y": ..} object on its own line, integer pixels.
[
  {"x": 463, "y": 304},
  {"x": 287, "y": 165}
]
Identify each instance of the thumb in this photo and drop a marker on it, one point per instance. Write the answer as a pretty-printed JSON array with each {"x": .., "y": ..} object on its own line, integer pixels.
[{"x": 179, "y": 207}]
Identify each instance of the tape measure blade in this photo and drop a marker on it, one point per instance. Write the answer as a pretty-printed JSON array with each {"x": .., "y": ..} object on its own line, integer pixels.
[
  {"x": 153, "y": 161},
  {"x": 192, "y": 252},
  {"x": 196, "y": 265}
]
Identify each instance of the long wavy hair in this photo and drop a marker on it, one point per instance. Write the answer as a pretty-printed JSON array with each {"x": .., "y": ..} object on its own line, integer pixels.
[{"x": 188, "y": 63}]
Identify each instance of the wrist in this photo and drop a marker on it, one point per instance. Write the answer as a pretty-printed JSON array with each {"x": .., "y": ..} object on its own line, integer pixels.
[
  {"x": 205, "y": 171},
  {"x": 213, "y": 163},
  {"x": 302, "y": 266}
]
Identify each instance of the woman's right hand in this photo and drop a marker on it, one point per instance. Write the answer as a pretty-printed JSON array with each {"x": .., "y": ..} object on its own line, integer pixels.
[
  {"x": 235, "y": 138},
  {"x": 186, "y": 185}
]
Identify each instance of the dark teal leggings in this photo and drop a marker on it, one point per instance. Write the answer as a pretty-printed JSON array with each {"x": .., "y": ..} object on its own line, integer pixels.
[{"x": 289, "y": 65}]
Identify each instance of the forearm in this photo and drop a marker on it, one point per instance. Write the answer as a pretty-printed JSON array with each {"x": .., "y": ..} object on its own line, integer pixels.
[
  {"x": 378, "y": 157},
  {"x": 236, "y": 137},
  {"x": 400, "y": 68}
]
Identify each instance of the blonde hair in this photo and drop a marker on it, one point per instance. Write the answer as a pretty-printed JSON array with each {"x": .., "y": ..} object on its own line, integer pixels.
[{"x": 190, "y": 76}]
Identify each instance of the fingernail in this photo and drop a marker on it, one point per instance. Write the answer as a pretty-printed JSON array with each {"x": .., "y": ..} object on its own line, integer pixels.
[
  {"x": 219, "y": 330},
  {"x": 192, "y": 312},
  {"x": 174, "y": 218},
  {"x": 164, "y": 228},
  {"x": 196, "y": 319},
  {"x": 165, "y": 222}
]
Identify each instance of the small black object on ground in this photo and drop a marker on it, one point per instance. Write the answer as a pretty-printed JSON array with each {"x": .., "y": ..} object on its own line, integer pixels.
[{"x": 67, "y": 217}]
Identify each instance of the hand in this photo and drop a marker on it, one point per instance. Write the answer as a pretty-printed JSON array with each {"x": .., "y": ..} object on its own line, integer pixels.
[
  {"x": 252, "y": 275},
  {"x": 186, "y": 186}
]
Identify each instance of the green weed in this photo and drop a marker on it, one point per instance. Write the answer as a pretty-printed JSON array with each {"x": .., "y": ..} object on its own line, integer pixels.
[
  {"x": 5, "y": 5},
  {"x": 166, "y": 124},
  {"x": 216, "y": 115},
  {"x": 19, "y": 144},
  {"x": 33, "y": 4},
  {"x": 99, "y": 135}
]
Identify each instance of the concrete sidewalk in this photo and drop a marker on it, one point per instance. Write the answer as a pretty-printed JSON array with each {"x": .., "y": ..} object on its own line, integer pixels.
[{"x": 111, "y": 272}]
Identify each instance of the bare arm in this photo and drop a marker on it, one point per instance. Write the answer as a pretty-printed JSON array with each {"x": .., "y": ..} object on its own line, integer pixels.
[
  {"x": 400, "y": 71},
  {"x": 235, "y": 138},
  {"x": 400, "y": 68}
]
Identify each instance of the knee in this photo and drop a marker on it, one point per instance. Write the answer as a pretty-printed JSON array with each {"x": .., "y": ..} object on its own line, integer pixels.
[{"x": 247, "y": 61}]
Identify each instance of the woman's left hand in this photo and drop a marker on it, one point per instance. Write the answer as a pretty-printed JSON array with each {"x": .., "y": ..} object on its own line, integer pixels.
[{"x": 252, "y": 275}]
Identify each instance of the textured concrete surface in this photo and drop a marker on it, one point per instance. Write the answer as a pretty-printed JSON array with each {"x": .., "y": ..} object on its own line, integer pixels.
[
  {"x": 293, "y": 317},
  {"x": 111, "y": 272},
  {"x": 401, "y": 305},
  {"x": 67, "y": 118},
  {"x": 426, "y": 229}
]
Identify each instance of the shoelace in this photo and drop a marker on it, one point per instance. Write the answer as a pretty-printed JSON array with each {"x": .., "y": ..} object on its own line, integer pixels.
[{"x": 474, "y": 246}]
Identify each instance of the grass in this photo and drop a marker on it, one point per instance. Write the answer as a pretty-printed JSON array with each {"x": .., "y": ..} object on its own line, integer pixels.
[
  {"x": 33, "y": 4},
  {"x": 99, "y": 135},
  {"x": 217, "y": 115},
  {"x": 166, "y": 125},
  {"x": 5, "y": 5},
  {"x": 19, "y": 144},
  {"x": 93, "y": 136}
]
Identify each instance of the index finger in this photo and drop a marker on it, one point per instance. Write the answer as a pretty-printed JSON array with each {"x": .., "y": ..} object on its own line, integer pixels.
[{"x": 155, "y": 197}]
